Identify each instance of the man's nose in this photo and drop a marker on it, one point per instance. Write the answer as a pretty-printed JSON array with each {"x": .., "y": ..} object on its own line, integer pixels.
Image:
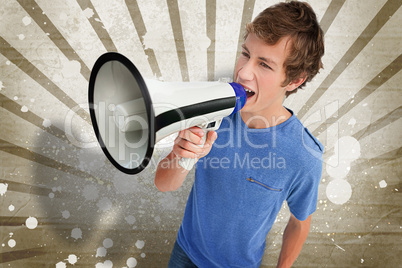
[{"x": 246, "y": 73}]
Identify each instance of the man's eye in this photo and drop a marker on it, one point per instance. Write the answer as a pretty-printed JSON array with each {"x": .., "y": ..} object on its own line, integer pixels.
[
  {"x": 245, "y": 54},
  {"x": 265, "y": 66}
]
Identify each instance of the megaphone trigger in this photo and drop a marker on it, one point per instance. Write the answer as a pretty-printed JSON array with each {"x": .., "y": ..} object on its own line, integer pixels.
[{"x": 188, "y": 163}]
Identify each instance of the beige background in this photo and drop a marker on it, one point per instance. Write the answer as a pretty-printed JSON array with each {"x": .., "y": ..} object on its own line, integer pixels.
[{"x": 63, "y": 203}]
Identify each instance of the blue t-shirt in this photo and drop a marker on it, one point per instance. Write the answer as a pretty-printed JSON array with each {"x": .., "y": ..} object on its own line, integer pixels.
[{"x": 240, "y": 186}]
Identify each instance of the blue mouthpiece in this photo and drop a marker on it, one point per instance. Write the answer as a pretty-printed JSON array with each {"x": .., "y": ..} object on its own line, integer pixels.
[{"x": 241, "y": 96}]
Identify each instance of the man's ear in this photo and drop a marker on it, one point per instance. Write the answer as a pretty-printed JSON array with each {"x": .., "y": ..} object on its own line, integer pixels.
[{"x": 296, "y": 83}]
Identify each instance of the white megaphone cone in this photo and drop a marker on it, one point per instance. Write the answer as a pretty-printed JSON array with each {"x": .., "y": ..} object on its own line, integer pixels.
[{"x": 130, "y": 115}]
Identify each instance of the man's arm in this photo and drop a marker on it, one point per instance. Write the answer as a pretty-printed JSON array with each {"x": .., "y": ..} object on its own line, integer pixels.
[
  {"x": 293, "y": 239},
  {"x": 169, "y": 174}
]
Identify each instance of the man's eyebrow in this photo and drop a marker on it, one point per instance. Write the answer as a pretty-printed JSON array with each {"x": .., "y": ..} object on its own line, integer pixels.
[{"x": 267, "y": 60}]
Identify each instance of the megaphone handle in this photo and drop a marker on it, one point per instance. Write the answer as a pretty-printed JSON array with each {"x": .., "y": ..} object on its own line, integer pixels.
[{"x": 188, "y": 163}]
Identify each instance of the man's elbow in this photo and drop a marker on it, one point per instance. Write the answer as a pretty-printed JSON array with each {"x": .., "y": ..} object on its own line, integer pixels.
[
  {"x": 163, "y": 185},
  {"x": 160, "y": 185},
  {"x": 163, "y": 188},
  {"x": 301, "y": 225}
]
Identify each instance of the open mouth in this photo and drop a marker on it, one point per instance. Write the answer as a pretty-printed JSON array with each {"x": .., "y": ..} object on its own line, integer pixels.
[{"x": 249, "y": 93}]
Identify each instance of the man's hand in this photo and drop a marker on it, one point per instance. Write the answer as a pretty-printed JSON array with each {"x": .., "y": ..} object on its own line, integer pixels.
[
  {"x": 170, "y": 175},
  {"x": 293, "y": 239},
  {"x": 188, "y": 143}
]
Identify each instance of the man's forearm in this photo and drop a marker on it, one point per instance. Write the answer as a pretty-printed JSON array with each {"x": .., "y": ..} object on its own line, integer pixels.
[
  {"x": 293, "y": 239},
  {"x": 169, "y": 174}
]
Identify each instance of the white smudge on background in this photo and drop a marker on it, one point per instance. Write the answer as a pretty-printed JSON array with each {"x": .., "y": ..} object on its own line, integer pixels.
[
  {"x": 11, "y": 243},
  {"x": 24, "y": 109},
  {"x": 57, "y": 77},
  {"x": 130, "y": 219},
  {"x": 31, "y": 223},
  {"x": 61, "y": 264},
  {"x": 11, "y": 208},
  {"x": 1, "y": 85},
  {"x": 131, "y": 262},
  {"x": 347, "y": 150},
  {"x": 90, "y": 192},
  {"x": 352, "y": 122},
  {"x": 340, "y": 247},
  {"x": 21, "y": 36},
  {"x": 76, "y": 233},
  {"x": 65, "y": 214},
  {"x": 339, "y": 191},
  {"x": 72, "y": 258},
  {"x": 101, "y": 252},
  {"x": 57, "y": 189},
  {"x": 88, "y": 12},
  {"x": 3, "y": 188},
  {"x": 26, "y": 20},
  {"x": 140, "y": 244},
  {"x": 46, "y": 123},
  {"x": 126, "y": 184},
  {"x": 104, "y": 204},
  {"x": 108, "y": 243},
  {"x": 142, "y": 255},
  {"x": 337, "y": 168},
  {"x": 383, "y": 184},
  {"x": 105, "y": 264},
  {"x": 168, "y": 201}
]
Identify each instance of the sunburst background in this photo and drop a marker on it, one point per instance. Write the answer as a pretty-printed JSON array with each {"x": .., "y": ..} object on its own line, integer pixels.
[{"x": 62, "y": 203}]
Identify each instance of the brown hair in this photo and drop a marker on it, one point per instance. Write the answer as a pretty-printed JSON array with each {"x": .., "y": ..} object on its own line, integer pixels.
[{"x": 298, "y": 21}]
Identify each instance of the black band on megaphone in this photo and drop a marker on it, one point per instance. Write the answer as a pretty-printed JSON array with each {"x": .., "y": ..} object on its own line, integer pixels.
[{"x": 194, "y": 110}]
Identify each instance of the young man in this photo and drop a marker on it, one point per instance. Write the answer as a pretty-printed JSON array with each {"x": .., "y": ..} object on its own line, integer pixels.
[{"x": 263, "y": 155}]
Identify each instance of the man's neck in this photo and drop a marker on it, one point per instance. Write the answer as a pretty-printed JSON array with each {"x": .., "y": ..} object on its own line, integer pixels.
[{"x": 266, "y": 119}]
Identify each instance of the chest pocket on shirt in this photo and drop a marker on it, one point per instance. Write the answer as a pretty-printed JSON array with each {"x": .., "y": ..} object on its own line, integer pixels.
[
  {"x": 265, "y": 185},
  {"x": 260, "y": 198}
]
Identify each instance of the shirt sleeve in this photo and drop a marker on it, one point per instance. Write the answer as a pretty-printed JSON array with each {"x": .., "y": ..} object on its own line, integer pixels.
[{"x": 302, "y": 198}]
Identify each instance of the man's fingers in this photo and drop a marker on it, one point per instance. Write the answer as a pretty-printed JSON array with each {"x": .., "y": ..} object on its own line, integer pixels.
[
  {"x": 188, "y": 141},
  {"x": 211, "y": 137},
  {"x": 189, "y": 146},
  {"x": 193, "y": 134},
  {"x": 183, "y": 153}
]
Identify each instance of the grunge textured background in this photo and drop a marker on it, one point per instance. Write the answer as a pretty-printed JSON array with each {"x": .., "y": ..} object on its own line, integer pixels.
[{"x": 62, "y": 203}]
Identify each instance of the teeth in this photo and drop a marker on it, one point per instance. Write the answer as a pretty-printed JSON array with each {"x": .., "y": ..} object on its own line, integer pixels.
[{"x": 248, "y": 90}]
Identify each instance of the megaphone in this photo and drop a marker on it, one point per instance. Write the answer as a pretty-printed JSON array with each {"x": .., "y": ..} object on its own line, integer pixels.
[{"x": 130, "y": 116}]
